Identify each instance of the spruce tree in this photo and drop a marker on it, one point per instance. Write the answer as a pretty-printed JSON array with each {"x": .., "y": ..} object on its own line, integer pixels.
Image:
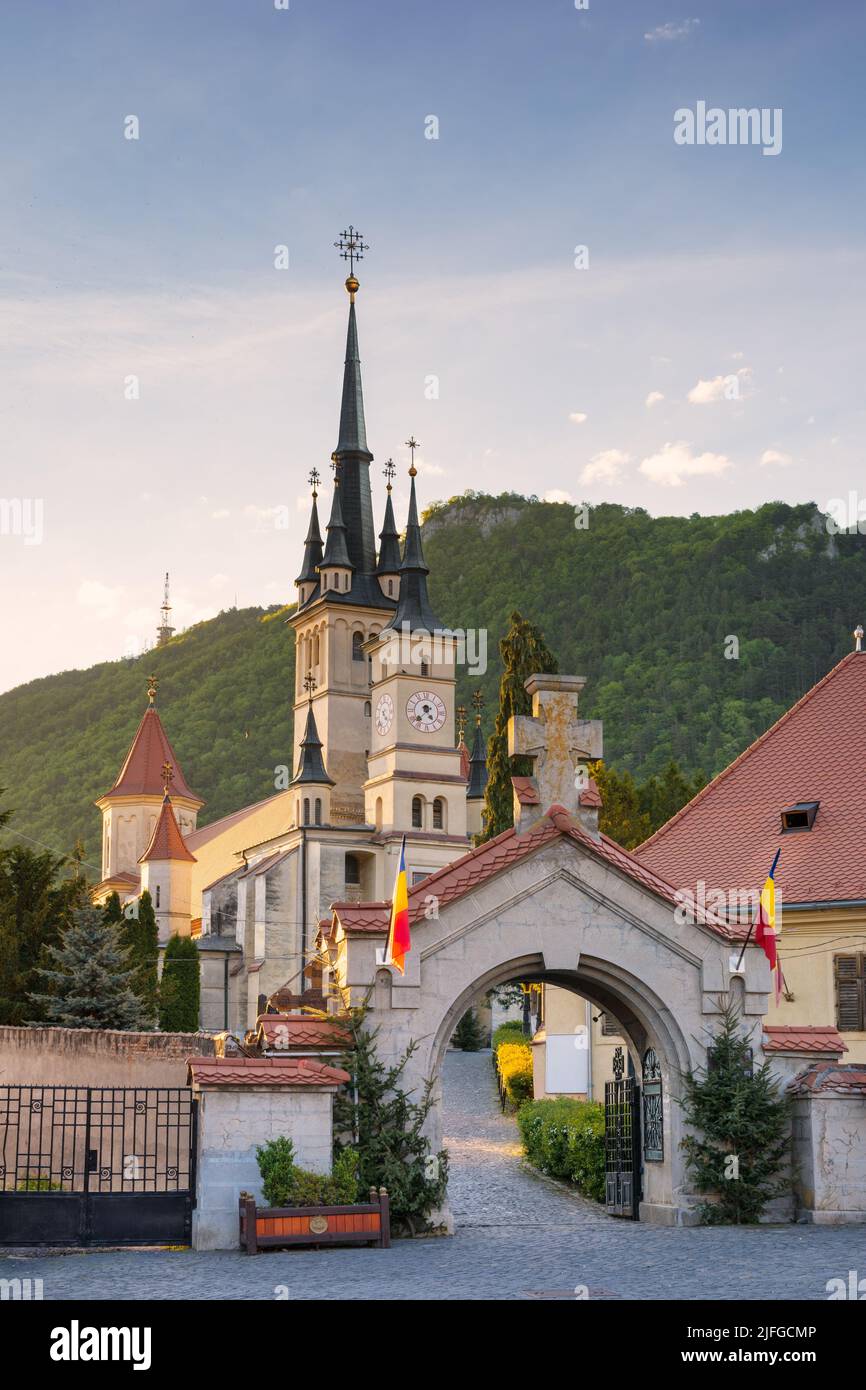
[
  {"x": 742, "y": 1121},
  {"x": 524, "y": 653},
  {"x": 88, "y": 977},
  {"x": 468, "y": 1034},
  {"x": 180, "y": 986},
  {"x": 140, "y": 935},
  {"x": 382, "y": 1122},
  {"x": 36, "y": 903}
]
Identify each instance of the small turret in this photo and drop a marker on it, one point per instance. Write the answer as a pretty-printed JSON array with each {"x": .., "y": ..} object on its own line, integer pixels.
[
  {"x": 311, "y": 781},
  {"x": 308, "y": 579},
  {"x": 388, "y": 568},
  {"x": 166, "y": 869},
  {"x": 413, "y": 609},
  {"x": 335, "y": 568}
]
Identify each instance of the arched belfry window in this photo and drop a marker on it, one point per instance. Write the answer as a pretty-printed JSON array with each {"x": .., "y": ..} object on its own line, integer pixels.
[
  {"x": 417, "y": 813},
  {"x": 357, "y": 646},
  {"x": 318, "y": 810},
  {"x": 653, "y": 1109},
  {"x": 439, "y": 814}
]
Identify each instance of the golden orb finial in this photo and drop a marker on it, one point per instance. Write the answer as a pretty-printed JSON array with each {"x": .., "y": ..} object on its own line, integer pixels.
[{"x": 353, "y": 284}]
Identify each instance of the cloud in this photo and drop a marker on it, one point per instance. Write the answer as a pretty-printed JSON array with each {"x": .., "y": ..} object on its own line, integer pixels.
[
  {"x": 577, "y": 417},
  {"x": 720, "y": 388},
  {"x": 557, "y": 494},
  {"x": 605, "y": 467},
  {"x": 675, "y": 462},
  {"x": 103, "y": 599},
  {"x": 653, "y": 398},
  {"x": 674, "y": 29},
  {"x": 221, "y": 514},
  {"x": 771, "y": 456}
]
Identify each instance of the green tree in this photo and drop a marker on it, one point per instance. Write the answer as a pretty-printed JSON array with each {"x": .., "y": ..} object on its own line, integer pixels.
[
  {"x": 524, "y": 653},
  {"x": 140, "y": 935},
  {"x": 742, "y": 1119},
  {"x": 381, "y": 1121},
  {"x": 35, "y": 905},
  {"x": 88, "y": 977},
  {"x": 180, "y": 987},
  {"x": 621, "y": 816},
  {"x": 469, "y": 1034}
]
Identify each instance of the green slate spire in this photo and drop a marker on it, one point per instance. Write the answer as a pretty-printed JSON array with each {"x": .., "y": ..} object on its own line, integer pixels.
[
  {"x": 311, "y": 764},
  {"x": 336, "y": 551},
  {"x": 389, "y": 550},
  {"x": 313, "y": 542}
]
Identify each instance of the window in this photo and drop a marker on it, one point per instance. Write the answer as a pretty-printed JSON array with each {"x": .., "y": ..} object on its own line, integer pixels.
[
  {"x": 438, "y": 814},
  {"x": 390, "y": 588},
  {"x": 156, "y": 904},
  {"x": 353, "y": 869},
  {"x": 419, "y": 875},
  {"x": 850, "y": 973},
  {"x": 368, "y": 709},
  {"x": 609, "y": 1026},
  {"x": 318, "y": 810},
  {"x": 799, "y": 817},
  {"x": 425, "y": 668},
  {"x": 357, "y": 646},
  {"x": 306, "y": 810},
  {"x": 417, "y": 813}
]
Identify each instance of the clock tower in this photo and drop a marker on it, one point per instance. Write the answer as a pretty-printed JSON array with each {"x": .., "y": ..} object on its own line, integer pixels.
[{"x": 415, "y": 785}]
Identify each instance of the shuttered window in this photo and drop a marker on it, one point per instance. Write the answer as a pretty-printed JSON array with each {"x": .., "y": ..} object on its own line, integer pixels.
[
  {"x": 850, "y": 974},
  {"x": 609, "y": 1027}
]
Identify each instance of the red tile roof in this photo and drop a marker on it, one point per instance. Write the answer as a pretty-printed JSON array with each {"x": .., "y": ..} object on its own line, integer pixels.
[
  {"x": 264, "y": 1071},
  {"x": 141, "y": 774},
  {"x": 794, "y": 1038},
  {"x": 495, "y": 855},
  {"x": 526, "y": 791},
  {"x": 727, "y": 835},
  {"x": 285, "y": 1032},
  {"x": 166, "y": 842},
  {"x": 591, "y": 796},
  {"x": 848, "y": 1077}
]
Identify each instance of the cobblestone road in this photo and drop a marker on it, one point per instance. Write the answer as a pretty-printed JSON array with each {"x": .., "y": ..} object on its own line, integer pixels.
[{"x": 518, "y": 1237}]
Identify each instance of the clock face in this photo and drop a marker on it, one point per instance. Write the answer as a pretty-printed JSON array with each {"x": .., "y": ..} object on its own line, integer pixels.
[
  {"x": 384, "y": 714},
  {"x": 425, "y": 712}
]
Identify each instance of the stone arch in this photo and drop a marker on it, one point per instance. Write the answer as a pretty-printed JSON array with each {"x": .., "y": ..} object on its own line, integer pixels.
[{"x": 646, "y": 1022}]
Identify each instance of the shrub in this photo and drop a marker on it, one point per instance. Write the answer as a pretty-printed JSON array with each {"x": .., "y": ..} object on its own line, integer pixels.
[
  {"x": 565, "y": 1138},
  {"x": 514, "y": 1068},
  {"x": 508, "y": 1032},
  {"x": 180, "y": 987},
  {"x": 469, "y": 1034},
  {"x": 286, "y": 1185}
]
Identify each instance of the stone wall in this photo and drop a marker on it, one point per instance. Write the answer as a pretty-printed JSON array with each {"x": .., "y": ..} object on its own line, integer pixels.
[
  {"x": 85, "y": 1057},
  {"x": 829, "y": 1134},
  {"x": 232, "y": 1122}
]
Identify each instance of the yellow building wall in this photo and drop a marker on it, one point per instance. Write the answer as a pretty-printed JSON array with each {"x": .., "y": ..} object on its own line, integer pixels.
[
  {"x": 222, "y": 853},
  {"x": 808, "y": 943}
]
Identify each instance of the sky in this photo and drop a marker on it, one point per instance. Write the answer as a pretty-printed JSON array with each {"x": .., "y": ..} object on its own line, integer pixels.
[{"x": 167, "y": 381}]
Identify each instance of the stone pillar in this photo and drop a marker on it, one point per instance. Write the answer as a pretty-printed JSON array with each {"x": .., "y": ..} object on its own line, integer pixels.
[{"x": 242, "y": 1102}]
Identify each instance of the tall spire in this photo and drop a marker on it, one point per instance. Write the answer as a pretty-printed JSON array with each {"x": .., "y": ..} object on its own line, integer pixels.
[
  {"x": 478, "y": 756},
  {"x": 352, "y": 453},
  {"x": 414, "y": 605},
  {"x": 389, "y": 550},
  {"x": 336, "y": 552},
  {"x": 313, "y": 542}
]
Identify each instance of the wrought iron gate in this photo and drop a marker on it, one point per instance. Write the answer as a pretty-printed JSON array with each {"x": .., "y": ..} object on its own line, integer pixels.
[
  {"x": 82, "y": 1165},
  {"x": 622, "y": 1142}
]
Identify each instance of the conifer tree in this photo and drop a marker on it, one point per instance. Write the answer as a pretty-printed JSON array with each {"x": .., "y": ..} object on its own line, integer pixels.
[
  {"x": 384, "y": 1125},
  {"x": 35, "y": 905},
  {"x": 742, "y": 1121},
  {"x": 524, "y": 653},
  {"x": 140, "y": 935},
  {"x": 88, "y": 977},
  {"x": 180, "y": 987},
  {"x": 469, "y": 1034}
]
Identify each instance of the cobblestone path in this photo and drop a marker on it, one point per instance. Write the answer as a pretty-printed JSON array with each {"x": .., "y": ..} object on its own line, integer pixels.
[{"x": 518, "y": 1237}]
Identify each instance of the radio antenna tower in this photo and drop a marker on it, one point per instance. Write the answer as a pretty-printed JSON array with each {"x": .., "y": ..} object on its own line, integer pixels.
[{"x": 165, "y": 630}]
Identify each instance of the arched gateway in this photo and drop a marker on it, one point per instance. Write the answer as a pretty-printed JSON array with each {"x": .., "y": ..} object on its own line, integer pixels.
[{"x": 553, "y": 900}]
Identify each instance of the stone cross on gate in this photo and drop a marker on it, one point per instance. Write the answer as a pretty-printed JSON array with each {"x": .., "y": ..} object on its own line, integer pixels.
[{"x": 559, "y": 744}]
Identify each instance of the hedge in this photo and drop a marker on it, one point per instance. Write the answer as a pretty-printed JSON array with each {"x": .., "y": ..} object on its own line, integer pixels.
[
  {"x": 514, "y": 1070},
  {"x": 511, "y": 1032},
  {"x": 565, "y": 1138}
]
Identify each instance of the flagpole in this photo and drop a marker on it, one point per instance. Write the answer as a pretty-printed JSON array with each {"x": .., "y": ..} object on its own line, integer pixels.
[{"x": 751, "y": 924}]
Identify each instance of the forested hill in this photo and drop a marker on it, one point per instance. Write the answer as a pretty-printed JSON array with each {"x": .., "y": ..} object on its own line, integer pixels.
[{"x": 643, "y": 606}]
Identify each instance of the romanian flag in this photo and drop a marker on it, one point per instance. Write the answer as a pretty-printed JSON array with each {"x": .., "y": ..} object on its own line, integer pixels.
[
  {"x": 765, "y": 927},
  {"x": 399, "y": 941}
]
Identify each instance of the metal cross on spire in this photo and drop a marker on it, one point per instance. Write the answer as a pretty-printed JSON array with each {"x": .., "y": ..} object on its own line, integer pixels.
[
  {"x": 309, "y": 684},
  {"x": 478, "y": 704},
  {"x": 389, "y": 471},
  {"x": 412, "y": 443},
  {"x": 461, "y": 723},
  {"x": 152, "y": 683},
  {"x": 167, "y": 776},
  {"x": 351, "y": 247},
  {"x": 314, "y": 479}
]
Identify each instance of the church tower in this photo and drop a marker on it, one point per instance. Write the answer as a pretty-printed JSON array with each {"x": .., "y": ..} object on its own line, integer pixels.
[
  {"x": 343, "y": 598},
  {"x": 416, "y": 783},
  {"x": 132, "y": 806}
]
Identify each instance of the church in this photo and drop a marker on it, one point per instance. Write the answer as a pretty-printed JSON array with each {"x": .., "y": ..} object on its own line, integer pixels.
[{"x": 379, "y": 753}]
